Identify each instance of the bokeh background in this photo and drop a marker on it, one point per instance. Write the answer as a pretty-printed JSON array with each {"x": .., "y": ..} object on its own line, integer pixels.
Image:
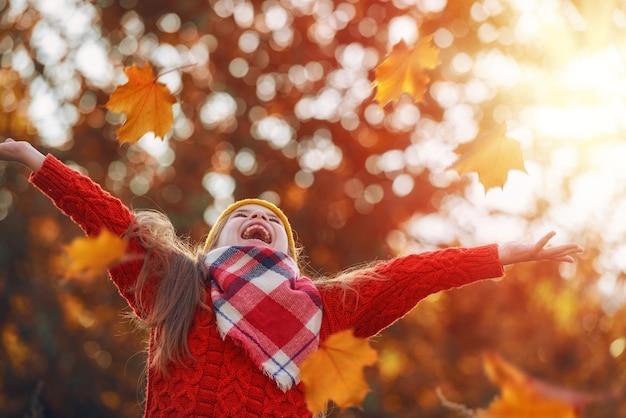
[{"x": 275, "y": 100}]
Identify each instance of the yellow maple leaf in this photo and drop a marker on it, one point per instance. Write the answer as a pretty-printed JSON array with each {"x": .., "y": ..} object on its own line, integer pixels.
[
  {"x": 91, "y": 256},
  {"x": 403, "y": 71},
  {"x": 524, "y": 396},
  {"x": 146, "y": 102},
  {"x": 335, "y": 371},
  {"x": 491, "y": 156}
]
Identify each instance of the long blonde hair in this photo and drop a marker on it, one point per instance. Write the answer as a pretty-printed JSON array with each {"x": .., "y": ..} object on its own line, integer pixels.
[{"x": 174, "y": 266}]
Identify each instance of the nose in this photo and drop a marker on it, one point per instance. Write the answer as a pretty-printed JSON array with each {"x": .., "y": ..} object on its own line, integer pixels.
[{"x": 258, "y": 214}]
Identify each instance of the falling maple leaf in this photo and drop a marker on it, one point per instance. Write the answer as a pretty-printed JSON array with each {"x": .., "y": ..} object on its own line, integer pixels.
[
  {"x": 403, "y": 71},
  {"x": 146, "y": 102},
  {"x": 491, "y": 156},
  {"x": 524, "y": 396},
  {"x": 91, "y": 256},
  {"x": 335, "y": 371}
]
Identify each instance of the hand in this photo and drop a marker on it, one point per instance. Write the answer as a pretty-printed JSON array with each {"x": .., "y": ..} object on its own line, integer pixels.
[
  {"x": 516, "y": 252},
  {"x": 21, "y": 152}
]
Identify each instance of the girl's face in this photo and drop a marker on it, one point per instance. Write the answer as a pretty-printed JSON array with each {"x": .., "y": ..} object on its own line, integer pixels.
[{"x": 254, "y": 225}]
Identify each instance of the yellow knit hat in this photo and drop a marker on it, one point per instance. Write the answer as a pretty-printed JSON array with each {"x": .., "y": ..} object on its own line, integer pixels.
[{"x": 220, "y": 220}]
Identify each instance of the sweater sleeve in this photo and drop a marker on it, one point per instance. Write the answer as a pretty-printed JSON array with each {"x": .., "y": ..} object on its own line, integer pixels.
[
  {"x": 372, "y": 303},
  {"x": 93, "y": 209}
]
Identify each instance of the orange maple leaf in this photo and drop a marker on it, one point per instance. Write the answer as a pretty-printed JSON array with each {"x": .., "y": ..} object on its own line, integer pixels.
[
  {"x": 524, "y": 396},
  {"x": 335, "y": 371},
  {"x": 146, "y": 102},
  {"x": 491, "y": 156},
  {"x": 91, "y": 256},
  {"x": 403, "y": 71}
]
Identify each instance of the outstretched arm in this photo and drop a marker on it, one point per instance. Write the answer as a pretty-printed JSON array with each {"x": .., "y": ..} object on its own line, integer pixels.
[
  {"x": 371, "y": 304},
  {"x": 84, "y": 201},
  {"x": 516, "y": 252},
  {"x": 381, "y": 295},
  {"x": 21, "y": 152}
]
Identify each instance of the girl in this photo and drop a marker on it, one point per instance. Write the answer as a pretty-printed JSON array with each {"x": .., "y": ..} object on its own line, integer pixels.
[{"x": 231, "y": 322}]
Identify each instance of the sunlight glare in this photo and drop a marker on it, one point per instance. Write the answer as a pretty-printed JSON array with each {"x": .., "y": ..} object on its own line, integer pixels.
[
  {"x": 595, "y": 89},
  {"x": 582, "y": 122},
  {"x": 601, "y": 72}
]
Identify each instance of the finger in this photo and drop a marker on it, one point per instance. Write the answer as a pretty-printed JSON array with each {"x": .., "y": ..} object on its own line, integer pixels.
[
  {"x": 569, "y": 248},
  {"x": 562, "y": 251},
  {"x": 544, "y": 240}
]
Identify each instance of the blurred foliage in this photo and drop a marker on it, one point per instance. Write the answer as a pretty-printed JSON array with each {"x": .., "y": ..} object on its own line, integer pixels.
[{"x": 278, "y": 104}]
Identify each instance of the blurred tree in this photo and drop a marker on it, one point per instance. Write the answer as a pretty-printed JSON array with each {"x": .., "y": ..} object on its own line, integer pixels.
[{"x": 277, "y": 103}]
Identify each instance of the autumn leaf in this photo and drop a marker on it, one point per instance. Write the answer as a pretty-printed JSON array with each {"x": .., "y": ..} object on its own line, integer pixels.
[
  {"x": 335, "y": 371},
  {"x": 524, "y": 396},
  {"x": 146, "y": 102},
  {"x": 91, "y": 256},
  {"x": 403, "y": 71},
  {"x": 491, "y": 156}
]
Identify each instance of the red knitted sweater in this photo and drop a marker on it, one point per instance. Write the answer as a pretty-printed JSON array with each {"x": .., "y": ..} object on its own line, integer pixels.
[{"x": 223, "y": 382}]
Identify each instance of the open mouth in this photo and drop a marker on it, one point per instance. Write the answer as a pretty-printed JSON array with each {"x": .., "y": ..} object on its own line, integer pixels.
[{"x": 257, "y": 231}]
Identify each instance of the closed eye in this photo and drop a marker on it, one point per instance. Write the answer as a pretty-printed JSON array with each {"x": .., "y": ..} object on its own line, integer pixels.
[{"x": 271, "y": 218}]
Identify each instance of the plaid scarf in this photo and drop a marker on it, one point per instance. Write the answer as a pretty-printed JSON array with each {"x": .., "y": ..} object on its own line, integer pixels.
[{"x": 262, "y": 303}]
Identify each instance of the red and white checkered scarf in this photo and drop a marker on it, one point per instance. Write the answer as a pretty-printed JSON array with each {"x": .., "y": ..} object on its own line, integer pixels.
[{"x": 262, "y": 303}]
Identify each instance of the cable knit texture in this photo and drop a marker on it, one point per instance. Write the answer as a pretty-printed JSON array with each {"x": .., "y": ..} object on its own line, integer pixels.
[{"x": 223, "y": 381}]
